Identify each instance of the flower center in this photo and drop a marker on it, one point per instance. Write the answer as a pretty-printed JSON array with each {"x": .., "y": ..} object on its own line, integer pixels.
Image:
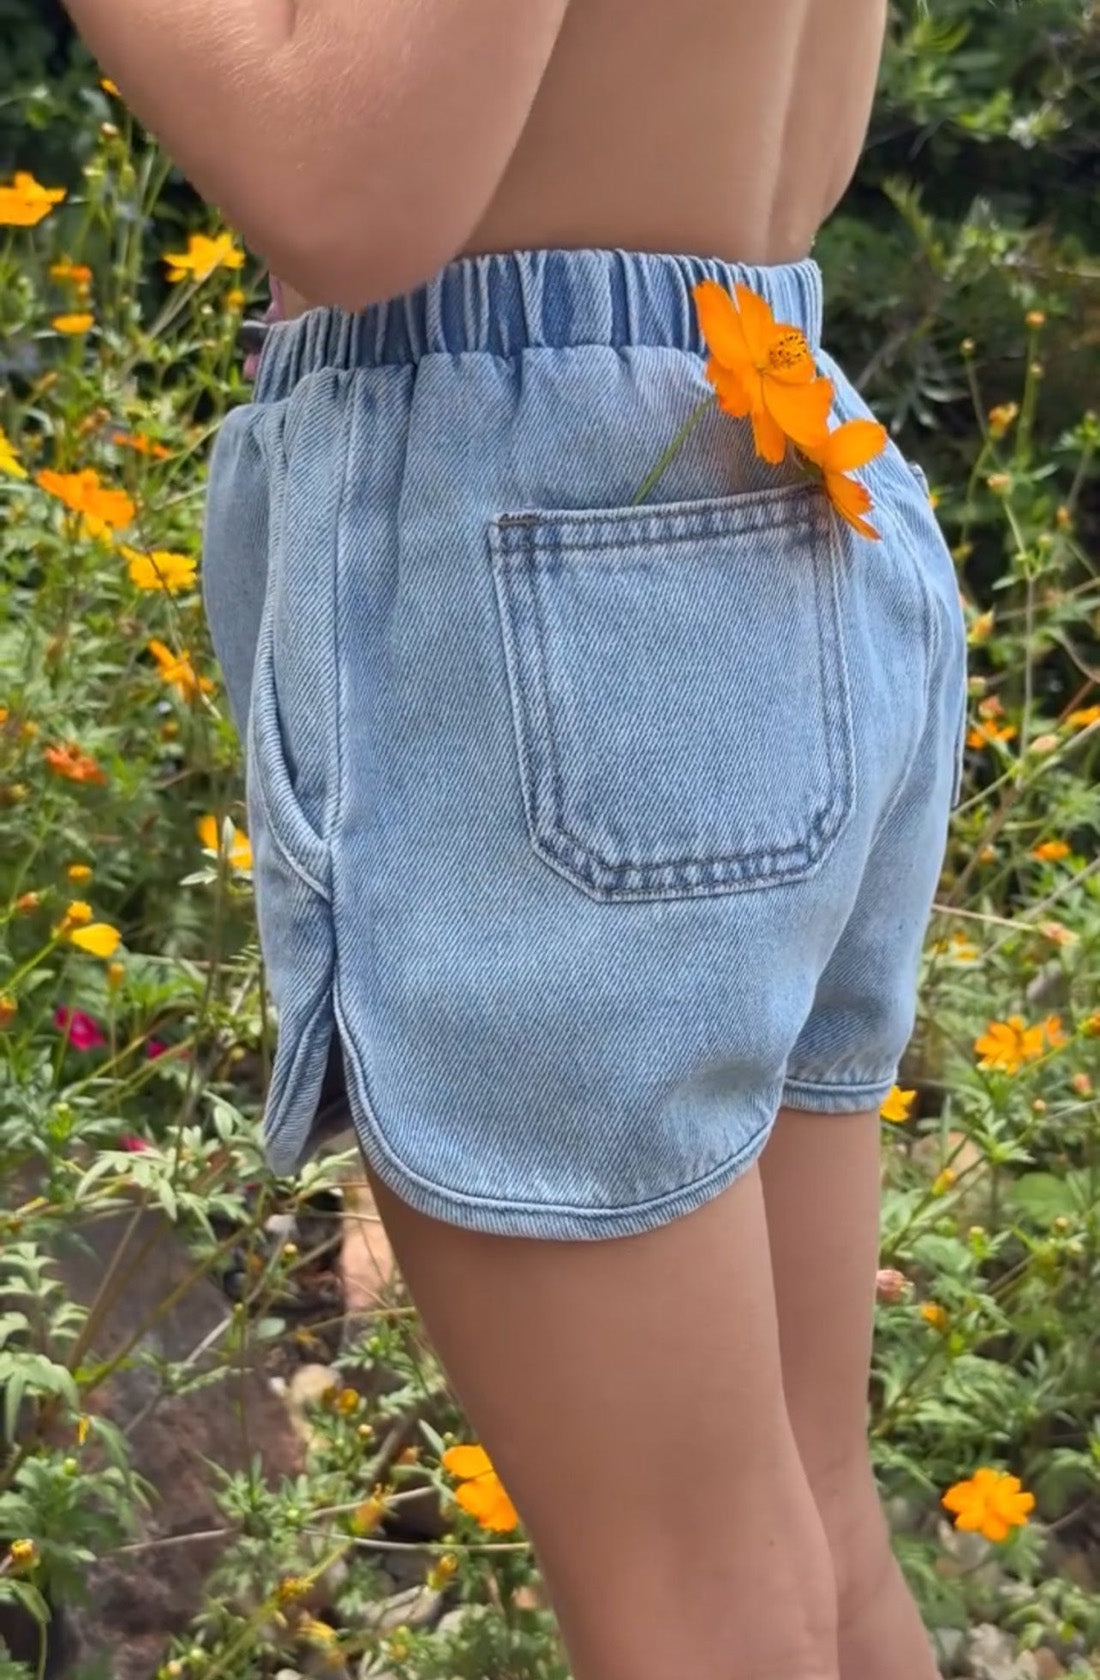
[{"x": 788, "y": 350}]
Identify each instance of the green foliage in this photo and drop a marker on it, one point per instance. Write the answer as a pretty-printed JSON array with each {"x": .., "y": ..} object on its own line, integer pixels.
[{"x": 963, "y": 292}]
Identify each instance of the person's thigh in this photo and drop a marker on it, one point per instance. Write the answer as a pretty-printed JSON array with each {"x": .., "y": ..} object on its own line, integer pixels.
[
  {"x": 822, "y": 1189},
  {"x": 629, "y": 1392}
]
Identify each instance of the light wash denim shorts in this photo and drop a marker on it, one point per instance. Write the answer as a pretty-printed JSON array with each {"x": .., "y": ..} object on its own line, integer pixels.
[{"x": 585, "y": 834}]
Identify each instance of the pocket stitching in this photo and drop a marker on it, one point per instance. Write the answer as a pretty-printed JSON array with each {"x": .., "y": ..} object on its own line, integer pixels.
[
  {"x": 516, "y": 548},
  {"x": 261, "y": 765}
]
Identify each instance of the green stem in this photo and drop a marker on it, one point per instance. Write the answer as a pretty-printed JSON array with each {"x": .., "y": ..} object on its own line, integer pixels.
[{"x": 677, "y": 443}]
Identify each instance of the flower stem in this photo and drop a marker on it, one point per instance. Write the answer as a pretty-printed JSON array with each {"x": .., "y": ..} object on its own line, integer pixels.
[{"x": 677, "y": 443}]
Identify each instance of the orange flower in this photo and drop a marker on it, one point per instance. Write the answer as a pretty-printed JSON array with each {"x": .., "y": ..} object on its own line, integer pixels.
[
  {"x": 934, "y": 1314},
  {"x": 101, "y": 508},
  {"x": 143, "y": 445},
  {"x": 25, "y": 202},
  {"x": 177, "y": 669},
  {"x": 982, "y": 734},
  {"x": 762, "y": 368},
  {"x": 848, "y": 446},
  {"x": 78, "y": 323},
  {"x": 989, "y": 1502},
  {"x": 482, "y": 1493},
  {"x": 240, "y": 851},
  {"x": 202, "y": 256},
  {"x": 76, "y": 766},
  {"x": 1009, "y": 1044},
  {"x": 1050, "y": 851},
  {"x": 77, "y": 274}
]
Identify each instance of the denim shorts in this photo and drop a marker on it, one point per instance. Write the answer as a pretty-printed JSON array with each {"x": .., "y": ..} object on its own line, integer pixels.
[{"x": 585, "y": 834}]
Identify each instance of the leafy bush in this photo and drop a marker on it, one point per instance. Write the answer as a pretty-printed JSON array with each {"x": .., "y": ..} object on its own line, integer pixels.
[{"x": 134, "y": 1024}]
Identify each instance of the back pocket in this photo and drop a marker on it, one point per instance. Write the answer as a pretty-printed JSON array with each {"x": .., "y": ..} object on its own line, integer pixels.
[{"x": 679, "y": 690}]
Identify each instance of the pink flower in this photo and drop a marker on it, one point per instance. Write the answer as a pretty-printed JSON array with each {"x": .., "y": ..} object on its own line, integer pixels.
[
  {"x": 154, "y": 1047},
  {"x": 134, "y": 1144},
  {"x": 83, "y": 1032},
  {"x": 890, "y": 1284}
]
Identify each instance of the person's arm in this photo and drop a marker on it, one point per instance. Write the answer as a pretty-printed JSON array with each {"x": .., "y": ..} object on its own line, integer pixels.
[{"x": 354, "y": 143}]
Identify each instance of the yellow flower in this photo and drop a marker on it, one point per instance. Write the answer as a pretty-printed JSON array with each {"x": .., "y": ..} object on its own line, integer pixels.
[
  {"x": 9, "y": 464},
  {"x": 162, "y": 569},
  {"x": 934, "y": 1314},
  {"x": 83, "y": 1424},
  {"x": 1009, "y": 1044},
  {"x": 1076, "y": 720},
  {"x": 178, "y": 671},
  {"x": 317, "y": 1632},
  {"x": 1090, "y": 1026},
  {"x": 25, "y": 202},
  {"x": 989, "y": 1502},
  {"x": 482, "y": 1492},
  {"x": 898, "y": 1105},
  {"x": 762, "y": 368},
  {"x": 366, "y": 1517},
  {"x": 77, "y": 914},
  {"x": 839, "y": 452},
  {"x": 108, "y": 86},
  {"x": 442, "y": 1571},
  {"x": 240, "y": 851},
  {"x": 943, "y": 1181},
  {"x": 8, "y": 1010},
  {"x": 347, "y": 1401},
  {"x": 79, "y": 872},
  {"x": 116, "y": 974},
  {"x": 202, "y": 256},
  {"x": 79, "y": 323},
  {"x": 23, "y": 1554},
  {"x": 1050, "y": 851},
  {"x": 291, "y": 1587},
  {"x": 234, "y": 298},
  {"x": 101, "y": 508},
  {"x": 99, "y": 939},
  {"x": 956, "y": 948},
  {"x": 1035, "y": 318},
  {"x": 1001, "y": 418},
  {"x": 981, "y": 629}
]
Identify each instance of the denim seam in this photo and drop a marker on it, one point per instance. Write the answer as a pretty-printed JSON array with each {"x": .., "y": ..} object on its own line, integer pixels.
[
  {"x": 465, "y": 1199},
  {"x": 293, "y": 1074},
  {"x": 337, "y": 620},
  {"x": 831, "y": 704},
  {"x": 282, "y": 846},
  {"x": 851, "y": 1086}
]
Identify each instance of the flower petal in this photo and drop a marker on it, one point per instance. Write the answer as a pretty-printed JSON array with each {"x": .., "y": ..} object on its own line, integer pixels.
[
  {"x": 851, "y": 500},
  {"x": 757, "y": 321},
  {"x": 800, "y": 411},
  {"x": 770, "y": 441},
  {"x": 469, "y": 1460},
  {"x": 854, "y": 444},
  {"x": 720, "y": 324}
]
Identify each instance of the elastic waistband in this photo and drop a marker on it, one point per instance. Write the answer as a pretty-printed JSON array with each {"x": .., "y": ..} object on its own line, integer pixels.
[{"x": 520, "y": 300}]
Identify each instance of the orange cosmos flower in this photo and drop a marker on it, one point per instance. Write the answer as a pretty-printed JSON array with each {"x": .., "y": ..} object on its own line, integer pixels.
[
  {"x": 762, "y": 368},
  {"x": 848, "y": 446},
  {"x": 76, "y": 766},
  {"x": 24, "y": 202},
  {"x": 178, "y": 670},
  {"x": 80, "y": 322},
  {"x": 1009, "y": 1044},
  {"x": 989, "y": 1502},
  {"x": 143, "y": 445},
  {"x": 481, "y": 1493},
  {"x": 101, "y": 508}
]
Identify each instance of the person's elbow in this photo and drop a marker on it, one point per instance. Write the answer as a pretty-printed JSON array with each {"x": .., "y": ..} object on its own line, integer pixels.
[{"x": 349, "y": 250}]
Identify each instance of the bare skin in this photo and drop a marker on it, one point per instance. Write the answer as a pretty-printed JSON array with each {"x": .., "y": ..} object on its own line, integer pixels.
[
  {"x": 680, "y": 1417},
  {"x": 688, "y": 125}
]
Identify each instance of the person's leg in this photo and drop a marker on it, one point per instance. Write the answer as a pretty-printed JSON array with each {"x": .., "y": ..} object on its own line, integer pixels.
[
  {"x": 821, "y": 1180},
  {"x": 629, "y": 1392}
]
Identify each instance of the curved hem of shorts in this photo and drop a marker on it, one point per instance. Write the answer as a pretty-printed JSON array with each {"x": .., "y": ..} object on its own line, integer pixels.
[
  {"x": 833, "y": 1097},
  {"x": 551, "y": 1221}
]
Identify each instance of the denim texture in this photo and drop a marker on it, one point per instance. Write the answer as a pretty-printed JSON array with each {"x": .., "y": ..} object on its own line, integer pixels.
[{"x": 585, "y": 834}]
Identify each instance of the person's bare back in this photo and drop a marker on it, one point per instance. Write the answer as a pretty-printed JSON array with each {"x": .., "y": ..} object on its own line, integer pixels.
[
  {"x": 715, "y": 129},
  {"x": 719, "y": 128}
]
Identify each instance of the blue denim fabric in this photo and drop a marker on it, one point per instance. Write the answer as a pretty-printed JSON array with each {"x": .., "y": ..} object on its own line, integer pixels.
[{"x": 585, "y": 834}]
